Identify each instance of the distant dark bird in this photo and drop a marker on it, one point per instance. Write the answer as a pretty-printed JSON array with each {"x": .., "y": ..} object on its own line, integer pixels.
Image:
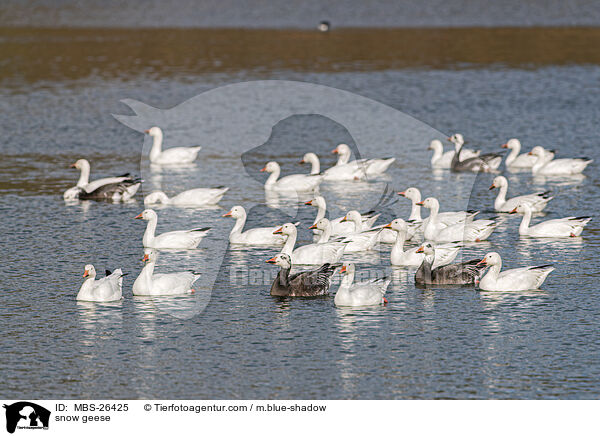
[{"x": 324, "y": 26}]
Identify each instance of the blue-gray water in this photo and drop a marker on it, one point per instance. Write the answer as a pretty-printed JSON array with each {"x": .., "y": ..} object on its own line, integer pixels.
[{"x": 435, "y": 343}]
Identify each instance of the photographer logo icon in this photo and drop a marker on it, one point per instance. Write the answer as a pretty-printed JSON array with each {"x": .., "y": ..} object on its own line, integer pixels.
[{"x": 26, "y": 415}]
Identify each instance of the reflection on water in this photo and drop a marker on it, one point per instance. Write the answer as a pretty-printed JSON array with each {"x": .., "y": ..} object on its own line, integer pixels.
[{"x": 76, "y": 54}]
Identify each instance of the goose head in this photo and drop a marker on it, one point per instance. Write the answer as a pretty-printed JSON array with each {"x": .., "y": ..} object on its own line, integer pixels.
[
  {"x": 322, "y": 224},
  {"x": 457, "y": 139},
  {"x": 318, "y": 201},
  {"x": 353, "y": 216},
  {"x": 491, "y": 259},
  {"x": 521, "y": 208},
  {"x": 429, "y": 203},
  {"x": 271, "y": 167},
  {"x": 147, "y": 215},
  {"x": 154, "y": 131},
  {"x": 282, "y": 260},
  {"x": 286, "y": 229},
  {"x": 150, "y": 255},
  {"x": 347, "y": 268},
  {"x": 537, "y": 151},
  {"x": 81, "y": 164},
  {"x": 342, "y": 149},
  {"x": 236, "y": 212},
  {"x": 398, "y": 225},
  {"x": 513, "y": 144},
  {"x": 436, "y": 146},
  {"x": 89, "y": 271},
  {"x": 412, "y": 194},
  {"x": 308, "y": 158},
  {"x": 499, "y": 182},
  {"x": 427, "y": 249}
]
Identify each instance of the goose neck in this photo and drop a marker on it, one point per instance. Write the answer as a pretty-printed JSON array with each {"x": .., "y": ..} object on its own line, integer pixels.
[
  {"x": 150, "y": 230},
  {"x": 156, "y": 146}
]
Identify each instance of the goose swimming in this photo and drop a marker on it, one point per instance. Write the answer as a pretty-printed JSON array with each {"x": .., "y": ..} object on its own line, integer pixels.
[{"x": 304, "y": 284}]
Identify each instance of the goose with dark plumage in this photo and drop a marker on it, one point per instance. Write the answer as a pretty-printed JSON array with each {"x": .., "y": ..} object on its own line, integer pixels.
[
  {"x": 304, "y": 284},
  {"x": 463, "y": 273}
]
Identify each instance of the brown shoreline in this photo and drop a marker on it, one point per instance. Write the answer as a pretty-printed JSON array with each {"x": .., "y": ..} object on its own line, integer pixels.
[{"x": 31, "y": 54}]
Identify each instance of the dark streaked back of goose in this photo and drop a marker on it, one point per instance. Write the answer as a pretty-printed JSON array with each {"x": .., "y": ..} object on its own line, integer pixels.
[
  {"x": 107, "y": 192},
  {"x": 304, "y": 284},
  {"x": 464, "y": 273}
]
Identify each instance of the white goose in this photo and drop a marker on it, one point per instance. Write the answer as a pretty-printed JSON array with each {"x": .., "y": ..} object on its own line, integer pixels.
[
  {"x": 518, "y": 279},
  {"x": 256, "y": 236},
  {"x": 557, "y": 228},
  {"x": 294, "y": 182},
  {"x": 383, "y": 235},
  {"x": 538, "y": 201},
  {"x": 443, "y": 218},
  {"x": 108, "y": 288},
  {"x": 441, "y": 159},
  {"x": 170, "y": 156},
  {"x": 444, "y": 254},
  {"x": 546, "y": 166},
  {"x": 473, "y": 231},
  {"x": 372, "y": 167},
  {"x": 370, "y": 293},
  {"x": 339, "y": 227},
  {"x": 86, "y": 187},
  {"x": 514, "y": 160},
  {"x": 336, "y": 172},
  {"x": 148, "y": 283},
  {"x": 355, "y": 242},
  {"x": 310, "y": 254},
  {"x": 191, "y": 197},
  {"x": 185, "y": 239}
]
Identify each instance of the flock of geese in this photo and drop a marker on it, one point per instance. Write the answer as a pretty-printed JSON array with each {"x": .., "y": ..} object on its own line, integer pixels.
[{"x": 442, "y": 233}]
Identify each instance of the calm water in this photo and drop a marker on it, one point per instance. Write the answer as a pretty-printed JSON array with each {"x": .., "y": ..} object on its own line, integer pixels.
[{"x": 433, "y": 343}]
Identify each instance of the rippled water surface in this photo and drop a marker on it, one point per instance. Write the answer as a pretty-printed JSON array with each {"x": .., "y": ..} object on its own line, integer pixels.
[{"x": 426, "y": 343}]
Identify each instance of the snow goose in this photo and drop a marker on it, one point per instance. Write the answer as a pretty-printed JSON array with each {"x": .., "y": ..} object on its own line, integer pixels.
[
  {"x": 337, "y": 226},
  {"x": 557, "y": 228},
  {"x": 310, "y": 254},
  {"x": 514, "y": 160},
  {"x": 191, "y": 197},
  {"x": 304, "y": 284},
  {"x": 127, "y": 185},
  {"x": 433, "y": 225},
  {"x": 464, "y": 273},
  {"x": 148, "y": 283},
  {"x": 444, "y": 254},
  {"x": 445, "y": 218},
  {"x": 546, "y": 166},
  {"x": 313, "y": 160},
  {"x": 108, "y": 288},
  {"x": 355, "y": 242},
  {"x": 441, "y": 159},
  {"x": 256, "y": 236},
  {"x": 170, "y": 156},
  {"x": 372, "y": 167},
  {"x": 517, "y": 279},
  {"x": 184, "y": 239},
  {"x": 483, "y": 163},
  {"x": 369, "y": 293},
  {"x": 338, "y": 172},
  {"x": 294, "y": 182},
  {"x": 538, "y": 201},
  {"x": 470, "y": 231}
]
